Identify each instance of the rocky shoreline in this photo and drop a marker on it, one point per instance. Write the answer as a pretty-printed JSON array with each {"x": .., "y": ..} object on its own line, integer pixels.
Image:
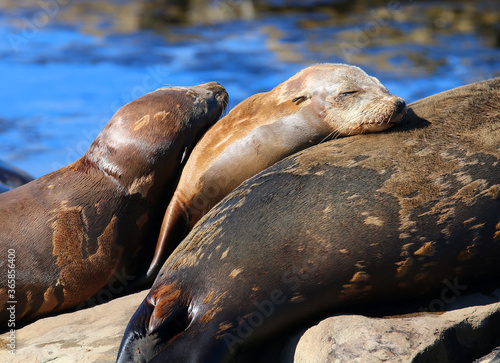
[{"x": 94, "y": 335}]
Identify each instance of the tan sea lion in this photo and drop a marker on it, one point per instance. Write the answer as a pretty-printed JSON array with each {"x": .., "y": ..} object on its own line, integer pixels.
[
  {"x": 319, "y": 102},
  {"x": 377, "y": 219},
  {"x": 70, "y": 232}
]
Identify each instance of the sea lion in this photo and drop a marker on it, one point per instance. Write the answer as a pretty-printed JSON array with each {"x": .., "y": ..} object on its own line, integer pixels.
[
  {"x": 351, "y": 222},
  {"x": 71, "y": 231},
  {"x": 317, "y": 103},
  {"x": 12, "y": 177}
]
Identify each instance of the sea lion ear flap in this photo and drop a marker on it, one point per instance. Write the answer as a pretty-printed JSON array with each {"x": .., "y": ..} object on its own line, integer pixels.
[{"x": 297, "y": 100}]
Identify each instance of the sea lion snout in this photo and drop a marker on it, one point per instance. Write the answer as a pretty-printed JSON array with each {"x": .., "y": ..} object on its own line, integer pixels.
[
  {"x": 397, "y": 107},
  {"x": 217, "y": 98},
  {"x": 214, "y": 87},
  {"x": 400, "y": 106},
  {"x": 369, "y": 111},
  {"x": 399, "y": 110},
  {"x": 212, "y": 90}
]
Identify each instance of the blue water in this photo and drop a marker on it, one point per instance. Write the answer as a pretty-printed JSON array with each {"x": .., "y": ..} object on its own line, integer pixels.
[{"x": 61, "y": 81}]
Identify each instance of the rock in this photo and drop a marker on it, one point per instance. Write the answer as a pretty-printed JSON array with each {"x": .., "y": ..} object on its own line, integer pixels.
[
  {"x": 460, "y": 335},
  {"x": 493, "y": 357},
  {"x": 453, "y": 336},
  {"x": 89, "y": 335}
]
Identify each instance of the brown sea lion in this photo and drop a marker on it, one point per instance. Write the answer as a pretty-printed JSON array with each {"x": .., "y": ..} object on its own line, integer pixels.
[
  {"x": 317, "y": 103},
  {"x": 71, "y": 231},
  {"x": 356, "y": 221}
]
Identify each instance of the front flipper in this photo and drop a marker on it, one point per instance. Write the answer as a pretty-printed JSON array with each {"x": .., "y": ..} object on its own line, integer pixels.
[
  {"x": 137, "y": 345},
  {"x": 166, "y": 328},
  {"x": 161, "y": 316},
  {"x": 193, "y": 346},
  {"x": 174, "y": 228}
]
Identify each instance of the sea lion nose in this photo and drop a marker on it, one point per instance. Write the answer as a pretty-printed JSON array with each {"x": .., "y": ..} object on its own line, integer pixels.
[{"x": 400, "y": 105}]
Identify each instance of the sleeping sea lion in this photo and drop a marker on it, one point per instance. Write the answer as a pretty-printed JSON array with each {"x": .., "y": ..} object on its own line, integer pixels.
[
  {"x": 353, "y": 222},
  {"x": 72, "y": 231},
  {"x": 319, "y": 102}
]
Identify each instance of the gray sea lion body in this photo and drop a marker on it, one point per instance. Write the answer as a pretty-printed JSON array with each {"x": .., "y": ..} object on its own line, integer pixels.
[{"x": 352, "y": 222}]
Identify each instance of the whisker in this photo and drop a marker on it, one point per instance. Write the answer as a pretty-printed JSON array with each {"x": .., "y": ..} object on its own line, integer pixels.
[
  {"x": 327, "y": 136},
  {"x": 336, "y": 134},
  {"x": 391, "y": 116}
]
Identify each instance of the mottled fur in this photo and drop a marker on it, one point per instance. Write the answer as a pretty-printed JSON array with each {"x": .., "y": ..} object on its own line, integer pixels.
[
  {"x": 76, "y": 229},
  {"x": 320, "y": 102},
  {"x": 355, "y": 221}
]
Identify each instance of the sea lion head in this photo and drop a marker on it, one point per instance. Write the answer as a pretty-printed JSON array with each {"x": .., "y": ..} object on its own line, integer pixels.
[
  {"x": 139, "y": 141},
  {"x": 348, "y": 99}
]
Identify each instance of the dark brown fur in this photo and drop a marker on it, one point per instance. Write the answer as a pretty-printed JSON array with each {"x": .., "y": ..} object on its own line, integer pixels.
[{"x": 77, "y": 228}]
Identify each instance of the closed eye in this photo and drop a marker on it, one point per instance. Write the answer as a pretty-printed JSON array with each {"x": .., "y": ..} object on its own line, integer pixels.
[{"x": 343, "y": 94}]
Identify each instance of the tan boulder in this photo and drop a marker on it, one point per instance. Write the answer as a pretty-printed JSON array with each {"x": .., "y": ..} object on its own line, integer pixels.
[
  {"x": 452, "y": 336},
  {"x": 89, "y": 335}
]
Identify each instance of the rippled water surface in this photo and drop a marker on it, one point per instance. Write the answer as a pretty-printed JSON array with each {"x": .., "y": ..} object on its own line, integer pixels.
[{"x": 67, "y": 66}]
